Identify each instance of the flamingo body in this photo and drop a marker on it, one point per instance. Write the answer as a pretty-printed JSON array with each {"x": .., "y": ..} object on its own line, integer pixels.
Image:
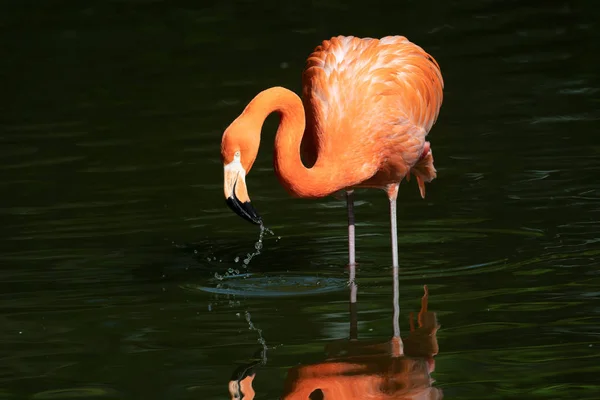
[{"x": 370, "y": 104}]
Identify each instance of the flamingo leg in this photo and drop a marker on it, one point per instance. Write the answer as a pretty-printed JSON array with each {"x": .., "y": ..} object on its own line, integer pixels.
[
  {"x": 353, "y": 305},
  {"x": 395, "y": 268},
  {"x": 351, "y": 240},
  {"x": 394, "y": 232},
  {"x": 351, "y": 248},
  {"x": 396, "y": 321}
]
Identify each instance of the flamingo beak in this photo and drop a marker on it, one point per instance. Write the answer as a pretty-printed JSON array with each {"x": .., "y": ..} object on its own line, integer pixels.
[{"x": 236, "y": 193}]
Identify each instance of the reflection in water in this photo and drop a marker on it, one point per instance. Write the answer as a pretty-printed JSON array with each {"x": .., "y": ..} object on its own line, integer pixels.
[
  {"x": 387, "y": 370},
  {"x": 240, "y": 384},
  {"x": 392, "y": 369}
]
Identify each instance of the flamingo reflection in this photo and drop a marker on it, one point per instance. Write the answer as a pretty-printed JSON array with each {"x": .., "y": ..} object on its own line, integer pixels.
[
  {"x": 391, "y": 369},
  {"x": 240, "y": 384}
]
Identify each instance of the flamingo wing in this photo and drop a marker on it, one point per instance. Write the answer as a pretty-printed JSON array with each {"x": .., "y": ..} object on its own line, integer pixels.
[{"x": 369, "y": 100}]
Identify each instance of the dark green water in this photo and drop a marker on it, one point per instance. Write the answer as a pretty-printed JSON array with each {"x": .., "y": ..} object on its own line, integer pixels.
[{"x": 112, "y": 211}]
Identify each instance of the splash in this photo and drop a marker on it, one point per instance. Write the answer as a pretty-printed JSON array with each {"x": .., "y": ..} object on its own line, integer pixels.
[
  {"x": 257, "y": 246},
  {"x": 261, "y": 339},
  {"x": 230, "y": 272}
]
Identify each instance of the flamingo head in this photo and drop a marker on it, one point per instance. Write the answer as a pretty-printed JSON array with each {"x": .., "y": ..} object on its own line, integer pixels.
[{"x": 238, "y": 152}]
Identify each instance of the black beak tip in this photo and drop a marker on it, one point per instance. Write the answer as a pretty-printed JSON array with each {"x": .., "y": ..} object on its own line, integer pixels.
[{"x": 244, "y": 210}]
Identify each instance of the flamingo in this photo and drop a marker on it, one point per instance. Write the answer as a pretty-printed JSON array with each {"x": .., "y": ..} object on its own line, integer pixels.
[{"x": 367, "y": 106}]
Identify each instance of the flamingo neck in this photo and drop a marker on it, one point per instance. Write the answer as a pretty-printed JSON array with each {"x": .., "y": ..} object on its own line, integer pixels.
[{"x": 299, "y": 181}]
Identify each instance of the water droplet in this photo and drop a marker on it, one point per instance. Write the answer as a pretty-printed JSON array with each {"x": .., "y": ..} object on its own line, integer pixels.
[
  {"x": 261, "y": 339},
  {"x": 236, "y": 259}
]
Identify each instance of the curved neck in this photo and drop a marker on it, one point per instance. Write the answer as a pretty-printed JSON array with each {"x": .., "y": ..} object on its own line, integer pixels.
[{"x": 298, "y": 180}]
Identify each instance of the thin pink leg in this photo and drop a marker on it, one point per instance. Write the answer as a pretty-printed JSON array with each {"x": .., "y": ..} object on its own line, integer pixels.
[
  {"x": 394, "y": 229},
  {"x": 392, "y": 195},
  {"x": 351, "y": 241},
  {"x": 351, "y": 247}
]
